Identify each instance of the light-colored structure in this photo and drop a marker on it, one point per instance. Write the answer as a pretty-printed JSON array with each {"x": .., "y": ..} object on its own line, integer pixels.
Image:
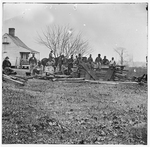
[{"x": 16, "y": 50}]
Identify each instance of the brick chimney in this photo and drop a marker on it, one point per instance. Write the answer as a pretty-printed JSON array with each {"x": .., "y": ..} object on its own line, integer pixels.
[{"x": 12, "y": 31}]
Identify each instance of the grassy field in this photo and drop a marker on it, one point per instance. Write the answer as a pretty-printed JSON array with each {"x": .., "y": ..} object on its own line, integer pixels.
[{"x": 46, "y": 112}]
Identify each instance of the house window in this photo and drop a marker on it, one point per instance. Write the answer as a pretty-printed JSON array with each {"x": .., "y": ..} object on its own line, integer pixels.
[{"x": 5, "y": 39}]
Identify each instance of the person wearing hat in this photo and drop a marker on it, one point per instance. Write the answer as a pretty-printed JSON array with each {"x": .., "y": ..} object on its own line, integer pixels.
[
  {"x": 33, "y": 63},
  {"x": 51, "y": 54},
  {"x": 6, "y": 63},
  {"x": 7, "y": 67}
]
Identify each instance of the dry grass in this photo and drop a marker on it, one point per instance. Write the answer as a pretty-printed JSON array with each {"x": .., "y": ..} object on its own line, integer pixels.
[{"x": 72, "y": 113}]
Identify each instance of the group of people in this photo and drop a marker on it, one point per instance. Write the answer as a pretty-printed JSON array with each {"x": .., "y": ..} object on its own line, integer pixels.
[
  {"x": 99, "y": 61},
  {"x": 62, "y": 64},
  {"x": 65, "y": 65}
]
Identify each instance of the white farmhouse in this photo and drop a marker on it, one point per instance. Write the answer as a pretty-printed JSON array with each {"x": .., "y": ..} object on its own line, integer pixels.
[{"x": 16, "y": 50}]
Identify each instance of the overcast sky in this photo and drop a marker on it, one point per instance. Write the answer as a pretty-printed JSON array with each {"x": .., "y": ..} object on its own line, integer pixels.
[{"x": 105, "y": 26}]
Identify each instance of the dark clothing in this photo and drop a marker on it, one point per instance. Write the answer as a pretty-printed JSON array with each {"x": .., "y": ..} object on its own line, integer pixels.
[
  {"x": 90, "y": 59},
  {"x": 79, "y": 59},
  {"x": 105, "y": 61},
  {"x": 84, "y": 59},
  {"x": 6, "y": 63},
  {"x": 50, "y": 55},
  {"x": 64, "y": 61},
  {"x": 98, "y": 59},
  {"x": 59, "y": 63},
  {"x": 7, "y": 68},
  {"x": 32, "y": 60},
  {"x": 70, "y": 60},
  {"x": 70, "y": 65},
  {"x": 37, "y": 69},
  {"x": 9, "y": 71}
]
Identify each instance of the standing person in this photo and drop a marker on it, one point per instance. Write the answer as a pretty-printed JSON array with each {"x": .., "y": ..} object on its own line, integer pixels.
[
  {"x": 60, "y": 62},
  {"x": 32, "y": 62},
  {"x": 64, "y": 64},
  {"x": 98, "y": 61},
  {"x": 76, "y": 60},
  {"x": 112, "y": 62},
  {"x": 79, "y": 59},
  {"x": 105, "y": 61},
  {"x": 70, "y": 64}
]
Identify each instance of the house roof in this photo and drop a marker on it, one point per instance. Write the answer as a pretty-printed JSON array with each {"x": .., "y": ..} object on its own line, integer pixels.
[{"x": 19, "y": 43}]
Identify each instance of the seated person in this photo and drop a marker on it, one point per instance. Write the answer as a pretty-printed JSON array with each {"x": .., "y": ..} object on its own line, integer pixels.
[
  {"x": 90, "y": 59},
  {"x": 7, "y": 67},
  {"x": 105, "y": 61},
  {"x": 6, "y": 63},
  {"x": 84, "y": 59},
  {"x": 38, "y": 69},
  {"x": 112, "y": 62}
]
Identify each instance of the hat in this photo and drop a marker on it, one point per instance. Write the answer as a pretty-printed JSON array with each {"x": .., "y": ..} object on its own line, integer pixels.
[{"x": 7, "y": 57}]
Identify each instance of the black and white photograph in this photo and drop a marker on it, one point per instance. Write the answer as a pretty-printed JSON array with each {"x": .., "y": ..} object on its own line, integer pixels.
[{"x": 74, "y": 73}]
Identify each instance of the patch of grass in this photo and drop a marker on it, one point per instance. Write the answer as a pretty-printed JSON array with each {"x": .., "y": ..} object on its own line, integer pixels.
[{"x": 45, "y": 112}]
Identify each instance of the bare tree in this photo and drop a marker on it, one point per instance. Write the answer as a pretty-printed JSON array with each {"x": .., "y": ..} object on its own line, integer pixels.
[
  {"x": 63, "y": 40},
  {"x": 122, "y": 53}
]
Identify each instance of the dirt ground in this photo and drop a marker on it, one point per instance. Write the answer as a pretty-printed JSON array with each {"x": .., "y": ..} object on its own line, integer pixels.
[{"x": 46, "y": 112}]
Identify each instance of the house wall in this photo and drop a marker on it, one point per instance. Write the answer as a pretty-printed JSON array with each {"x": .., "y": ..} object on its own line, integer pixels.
[{"x": 13, "y": 51}]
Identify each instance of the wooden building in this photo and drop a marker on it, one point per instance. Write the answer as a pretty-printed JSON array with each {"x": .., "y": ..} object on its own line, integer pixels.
[{"x": 16, "y": 50}]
